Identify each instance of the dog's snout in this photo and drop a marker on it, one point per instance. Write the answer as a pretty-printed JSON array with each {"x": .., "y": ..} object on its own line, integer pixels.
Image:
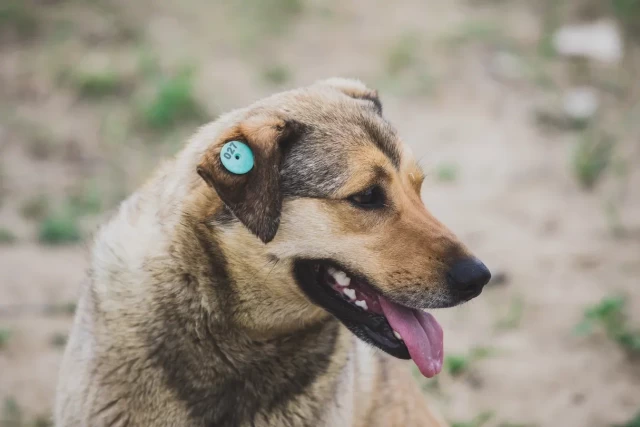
[{"x": 468, "y": 276}]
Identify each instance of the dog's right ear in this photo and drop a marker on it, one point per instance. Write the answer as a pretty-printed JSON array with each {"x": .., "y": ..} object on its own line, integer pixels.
[
  {"x": 254, "y": 197},
  {"x": 355, "y": 89}
]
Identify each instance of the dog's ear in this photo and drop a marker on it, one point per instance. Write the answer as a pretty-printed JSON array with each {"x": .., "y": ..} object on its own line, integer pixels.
[
  {"x": 355, "y": 89},
  {"x": 254, "y": 197}
]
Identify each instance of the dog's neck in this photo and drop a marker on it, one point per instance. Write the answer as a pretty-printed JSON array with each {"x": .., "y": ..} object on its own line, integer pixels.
[{"x": 228, "y": 373}]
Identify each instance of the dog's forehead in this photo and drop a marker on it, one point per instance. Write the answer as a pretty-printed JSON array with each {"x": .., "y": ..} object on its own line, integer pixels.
[{"x": 342, "y": 133}]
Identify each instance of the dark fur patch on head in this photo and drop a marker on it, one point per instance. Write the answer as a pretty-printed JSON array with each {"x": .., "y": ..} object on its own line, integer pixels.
[{"x": 384, "y": 137}]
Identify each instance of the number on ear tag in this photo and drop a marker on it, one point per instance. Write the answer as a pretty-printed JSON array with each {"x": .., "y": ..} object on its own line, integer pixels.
[{"x": 236, "y": 157}]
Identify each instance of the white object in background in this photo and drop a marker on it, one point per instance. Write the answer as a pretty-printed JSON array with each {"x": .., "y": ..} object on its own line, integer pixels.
[
  {"x": 580, "y": 103},
  {"x": 599, "y": 40}
]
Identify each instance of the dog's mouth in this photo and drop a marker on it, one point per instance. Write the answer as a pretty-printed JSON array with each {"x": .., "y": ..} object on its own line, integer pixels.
[{"x": 400, "y": 331}]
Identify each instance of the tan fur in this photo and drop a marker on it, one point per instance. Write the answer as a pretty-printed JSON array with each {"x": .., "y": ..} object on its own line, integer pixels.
[{"x": 147, "y": 258}]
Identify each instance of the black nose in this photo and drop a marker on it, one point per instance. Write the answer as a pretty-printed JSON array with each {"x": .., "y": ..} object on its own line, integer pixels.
[{"x": 468, "y": 276}]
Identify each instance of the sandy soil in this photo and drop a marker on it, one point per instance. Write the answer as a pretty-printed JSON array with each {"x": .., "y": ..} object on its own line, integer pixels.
[{"x": 514, "y": 198}]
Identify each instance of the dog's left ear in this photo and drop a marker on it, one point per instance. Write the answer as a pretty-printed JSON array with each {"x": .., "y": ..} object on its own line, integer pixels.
[{"x": 254, "y": 197}]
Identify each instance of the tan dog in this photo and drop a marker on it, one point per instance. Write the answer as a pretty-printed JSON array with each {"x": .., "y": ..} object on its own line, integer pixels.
[{"x": 218, "y": 299}]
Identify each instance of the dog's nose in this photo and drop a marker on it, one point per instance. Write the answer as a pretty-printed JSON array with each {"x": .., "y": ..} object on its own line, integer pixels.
[{"x": 468, "y": 276}]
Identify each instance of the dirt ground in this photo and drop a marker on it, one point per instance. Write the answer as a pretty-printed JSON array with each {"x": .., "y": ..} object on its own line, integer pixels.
[{"x": 82, "y": 124}]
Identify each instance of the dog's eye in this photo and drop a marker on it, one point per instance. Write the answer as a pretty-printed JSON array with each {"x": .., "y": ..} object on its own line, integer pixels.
[{"x": 371, "y": 198}]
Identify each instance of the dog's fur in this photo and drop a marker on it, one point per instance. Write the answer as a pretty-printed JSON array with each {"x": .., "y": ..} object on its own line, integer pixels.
[{"x": 192, "y": 316}]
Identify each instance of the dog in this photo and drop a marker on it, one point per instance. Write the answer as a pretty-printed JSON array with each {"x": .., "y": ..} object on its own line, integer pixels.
[{"x": 289, "y": 295}]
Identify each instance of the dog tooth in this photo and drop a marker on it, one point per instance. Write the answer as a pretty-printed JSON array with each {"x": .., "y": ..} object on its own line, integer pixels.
[
  {"x": 342, "y": 279},
  {"x": 332, "y": 271},
  {"x": 351, "y": 293},
  {"x": 362, "y": 304},
  {"x": 397, "y": 335}
]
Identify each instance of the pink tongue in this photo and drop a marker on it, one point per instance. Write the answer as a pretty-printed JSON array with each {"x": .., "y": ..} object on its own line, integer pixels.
[{"x": 421, "y": 334}]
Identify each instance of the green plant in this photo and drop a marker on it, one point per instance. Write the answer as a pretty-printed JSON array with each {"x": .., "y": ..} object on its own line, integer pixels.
[
  {"x": 97, "y": 84},
  {"x": 5, "y": 336},
  {"x": 475, "y": 31},
  {"x": 403, "y": 54},
  {"x": 6, "y": 236},
  {"x": 609, "y": 314},
  {"x": 86, "y": 200},
  {"x": 447, "y": 172},
  {"x": 457, "y": 364},
  {"x": 591, "y": 158},
  {"x": 478, "y": 421},
  {"x": 16, "y": 16},
  {"x": 633, "y": 422},
  {"x": 628, "y": 13},
  {"x": 11, "y": 414},
  {"x": 59, "y": 228},
  {"x": 276, "y": 74},
  {"x": 68, "y": 308},
  {"x": 173, "y": 102}
]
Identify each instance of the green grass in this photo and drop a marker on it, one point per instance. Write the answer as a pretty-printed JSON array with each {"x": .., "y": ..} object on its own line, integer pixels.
[
  {"x": 610, "y": 315},
  {"x": 276, "y": 74},
  {"x": 173, "y": 102},
  {"x": 87, "y": 200},
  {"x": 478, "y": 421},
  {"x": 457, "y": 364},
  {"x": 447, "y": 172},
  {"x": 68, "y": 308},
  {"x": 403, "y": 54},
  {"x": 97, "y": 84},
  {"x": 11, "y": 414},
  {"x": 591, "y": 158},
  {"x": 633, "y": 422},
  {"x": 18, "y": 17},
  {"x": 551, "y": 20},
  {"x": 60, "y": 228},
  {"x": 628, "y": 14},
  {"x": 5, "y": 336},
  {"x": 475, "y": 31},
  {"x": 35, "y": 208},
  {"x": 7, "y": 236},
  {"x": 257, "y": 19}
]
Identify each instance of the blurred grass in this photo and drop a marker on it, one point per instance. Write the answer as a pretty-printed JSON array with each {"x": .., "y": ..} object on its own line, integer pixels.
[
  {"x": 7, "y": 236},
  {"x": 5, "y": 336},
  {"x": 18, "y": 17},
  {"x": 633, "y": 422},
  {"x": 173, "y": 102},
  {"x": 610, "y": 315},
  {"x": 277, "y": 74},
  {"x": 591, "y": 157},
  {"x": 447, "y": 172},
  {"x": 96, "y": 84},
  {"x": 457, "y": 364},
  {"x": 478, "y": 421},
  {"x": 60, "y": 227}
]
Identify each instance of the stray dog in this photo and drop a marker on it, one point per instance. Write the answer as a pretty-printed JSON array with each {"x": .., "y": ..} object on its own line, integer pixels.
[{"x": 255, "y": 299}]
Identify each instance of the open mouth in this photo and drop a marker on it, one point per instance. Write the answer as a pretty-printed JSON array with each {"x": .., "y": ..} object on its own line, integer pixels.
[{"x": 400, "y": 331}]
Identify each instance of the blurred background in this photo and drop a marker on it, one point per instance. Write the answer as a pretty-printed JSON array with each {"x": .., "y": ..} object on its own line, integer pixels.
[{"x": 525, "y": 115}]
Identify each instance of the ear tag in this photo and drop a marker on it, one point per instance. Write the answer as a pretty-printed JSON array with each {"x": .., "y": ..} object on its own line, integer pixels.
[{"x": 236, "y": 157}]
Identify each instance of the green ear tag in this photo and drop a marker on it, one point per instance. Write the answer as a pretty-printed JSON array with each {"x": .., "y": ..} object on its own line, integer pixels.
[{"x": 236, "y": 157}]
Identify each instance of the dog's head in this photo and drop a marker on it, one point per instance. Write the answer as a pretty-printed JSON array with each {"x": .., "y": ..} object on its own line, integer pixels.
[{"x": 335, "y": 194}]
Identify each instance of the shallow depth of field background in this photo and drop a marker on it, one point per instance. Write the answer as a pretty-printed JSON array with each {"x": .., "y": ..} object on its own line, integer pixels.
[{"x": 525, "y": 115}]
